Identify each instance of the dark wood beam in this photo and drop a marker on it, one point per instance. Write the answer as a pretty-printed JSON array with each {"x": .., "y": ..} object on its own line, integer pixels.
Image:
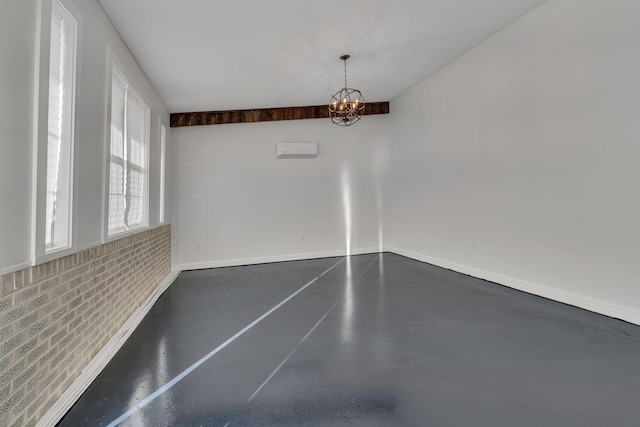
[{"x": 264, "y": 115}]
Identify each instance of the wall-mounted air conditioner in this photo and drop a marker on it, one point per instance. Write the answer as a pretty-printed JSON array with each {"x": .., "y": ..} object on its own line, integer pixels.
[{"x": 296, "y": 150}]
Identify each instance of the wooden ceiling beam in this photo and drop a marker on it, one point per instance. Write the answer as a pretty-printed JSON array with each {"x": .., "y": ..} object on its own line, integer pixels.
[{"x": 204, "y": 118}]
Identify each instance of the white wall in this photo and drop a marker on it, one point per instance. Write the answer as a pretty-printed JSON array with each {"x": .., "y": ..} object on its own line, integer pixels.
[
  {"x": 520, "y": 161},
  {"x": 236, "y": 203},
  {"x": 18, "y": 24},
  {"x": 17, "y": 41}
]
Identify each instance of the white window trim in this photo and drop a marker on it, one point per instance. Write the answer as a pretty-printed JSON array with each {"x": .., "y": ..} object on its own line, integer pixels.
[
  {"x": 39, "y": 252},
  {"x": 162, "y": 186},
  {"x": 114, "y": 63}
]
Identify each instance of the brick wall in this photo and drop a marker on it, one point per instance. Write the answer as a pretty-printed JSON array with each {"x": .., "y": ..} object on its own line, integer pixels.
[{"x": 56, "y": 316}]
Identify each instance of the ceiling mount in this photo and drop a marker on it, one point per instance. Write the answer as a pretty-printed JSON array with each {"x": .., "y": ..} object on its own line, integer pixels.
[{"x": 345, "y": 57}]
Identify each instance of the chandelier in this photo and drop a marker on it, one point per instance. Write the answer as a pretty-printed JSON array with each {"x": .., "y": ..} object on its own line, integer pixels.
[{"x": 347, "y": 105}]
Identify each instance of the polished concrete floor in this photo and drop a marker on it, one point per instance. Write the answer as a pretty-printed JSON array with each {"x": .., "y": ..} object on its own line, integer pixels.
[{"x": 370, "y": 340}]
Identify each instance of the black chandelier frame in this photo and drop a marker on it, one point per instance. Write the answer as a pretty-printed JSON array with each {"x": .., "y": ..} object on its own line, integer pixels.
[{"x": 347, "y": 105}]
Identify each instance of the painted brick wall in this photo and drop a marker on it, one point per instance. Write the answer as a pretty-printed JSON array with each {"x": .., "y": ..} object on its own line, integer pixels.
[{"x": 56, "y": 316}]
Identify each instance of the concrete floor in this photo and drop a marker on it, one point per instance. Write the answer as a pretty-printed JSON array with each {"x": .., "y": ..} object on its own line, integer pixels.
[{"x": 378, "y": 340}]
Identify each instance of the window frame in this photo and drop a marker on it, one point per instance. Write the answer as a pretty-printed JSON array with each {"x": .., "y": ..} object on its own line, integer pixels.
[
  {"x": 114, "y": 66},
  {"x": 162, "y": 187},
  {"x": 40, "y": 251}
]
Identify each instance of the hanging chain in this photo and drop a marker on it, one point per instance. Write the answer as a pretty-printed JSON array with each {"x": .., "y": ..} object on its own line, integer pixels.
[{"x": 345, "y": 73}]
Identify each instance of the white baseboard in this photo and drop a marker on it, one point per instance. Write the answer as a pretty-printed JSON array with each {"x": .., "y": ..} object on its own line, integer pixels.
[
  {"x": 95, "y": 366},
  {"x": 601, "y": 307},
  {"x": 268, "y": 259}
]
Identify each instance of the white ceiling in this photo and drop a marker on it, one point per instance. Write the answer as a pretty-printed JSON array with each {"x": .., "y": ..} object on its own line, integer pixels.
[{"x": 205, "y": 55}]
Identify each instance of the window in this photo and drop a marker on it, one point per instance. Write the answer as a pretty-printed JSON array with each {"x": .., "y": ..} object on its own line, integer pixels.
[
  {"x": 60, "y": 129},
  {"x": 163, "y": 147},
  {"x": 128, "y": 166}
]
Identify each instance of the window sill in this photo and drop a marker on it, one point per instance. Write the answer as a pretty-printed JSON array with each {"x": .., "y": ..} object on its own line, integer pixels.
[{"x": 125, "y": 233}]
